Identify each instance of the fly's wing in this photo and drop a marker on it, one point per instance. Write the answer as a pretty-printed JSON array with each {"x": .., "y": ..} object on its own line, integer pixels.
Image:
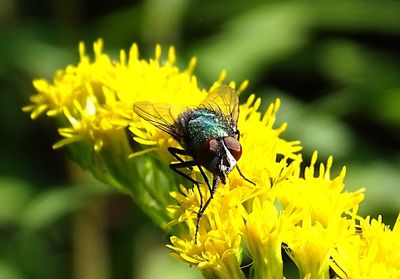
[
  {"x": 162, "y": 116},
  {"x": 225, "y": 100}
]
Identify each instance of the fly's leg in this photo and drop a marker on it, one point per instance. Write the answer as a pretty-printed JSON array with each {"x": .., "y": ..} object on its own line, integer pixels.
[
  {"x": 244, "y": 177},
  {"x": 203, "y": 209},
  {"x": 204, "y": 177},
  {"x": 176, "y": 151},
  {"x": 237, "y": 133},
  {"x": 190, "y": 164}
]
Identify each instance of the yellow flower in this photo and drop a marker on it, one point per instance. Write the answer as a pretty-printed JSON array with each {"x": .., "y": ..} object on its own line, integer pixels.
[
  {"x": 74, "y": 84},
  {"x": 264, "y": 233},
  {"x": 311, "y": 245},
  {"x": 319, "y": 195},
  {"x": 218, "y": 245},
  {"x": 96, "y": 97},
  {"x": 262, "y": 143},
  {"x": 324, "y": 225},
  {"x": 374, "y": 252}
]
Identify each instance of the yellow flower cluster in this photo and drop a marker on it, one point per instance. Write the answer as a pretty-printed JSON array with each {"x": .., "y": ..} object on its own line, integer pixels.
[
  {"x": 307, "y": 213},
  {"x": 92, "y": 103},
  {"x": 373, "y": 252},
  {"x": 96, "y": 97}
]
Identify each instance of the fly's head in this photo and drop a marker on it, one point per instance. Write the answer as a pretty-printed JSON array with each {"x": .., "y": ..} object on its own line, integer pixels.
[{"x": 220, "y": 155}]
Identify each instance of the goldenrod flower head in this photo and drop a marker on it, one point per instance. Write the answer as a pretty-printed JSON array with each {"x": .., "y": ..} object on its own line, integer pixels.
[
  {"x": 219, "y": 237},
  {"x": 374, "y": 252},
  {"x": 318, "y": 194},
  {"x": 310, "y": 215},
  {"x": 262, "y": 143},
  {"x": 73, "y": 84},
  {"x": 96, "y": 97},
  {"x": 311, "y": 245},
  {"x": 264, "y": 233},
  {"x": 324, "y": 225}
]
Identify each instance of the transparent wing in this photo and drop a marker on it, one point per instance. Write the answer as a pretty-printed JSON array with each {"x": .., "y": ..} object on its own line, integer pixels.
[
  {"x": 162, "y": 116},
  {"x": 224, "y": 99}
]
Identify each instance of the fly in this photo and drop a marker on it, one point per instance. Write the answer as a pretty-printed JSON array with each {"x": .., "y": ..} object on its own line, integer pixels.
[{"x": 207, "y": 133}]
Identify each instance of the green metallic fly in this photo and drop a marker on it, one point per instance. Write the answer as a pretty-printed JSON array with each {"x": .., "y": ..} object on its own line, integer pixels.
[{"x": 207, "y": 133}]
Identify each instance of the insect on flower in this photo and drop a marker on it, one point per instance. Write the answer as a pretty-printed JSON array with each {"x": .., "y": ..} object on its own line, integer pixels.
[{"x": 207, "y": 133}]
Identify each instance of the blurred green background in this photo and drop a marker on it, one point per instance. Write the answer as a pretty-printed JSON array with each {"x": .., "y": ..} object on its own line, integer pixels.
[{"x": 334, "y": 64}]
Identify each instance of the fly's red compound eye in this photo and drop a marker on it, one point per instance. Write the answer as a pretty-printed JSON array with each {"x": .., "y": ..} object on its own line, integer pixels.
[
  {"x": 234, "y": 147},
  {"x": 208, "y": 152}
]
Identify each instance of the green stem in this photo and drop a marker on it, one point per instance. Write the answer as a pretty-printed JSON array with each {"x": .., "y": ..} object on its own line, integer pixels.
[{"x": 268, "y": 263}]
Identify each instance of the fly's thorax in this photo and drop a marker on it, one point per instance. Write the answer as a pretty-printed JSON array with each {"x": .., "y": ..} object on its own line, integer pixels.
[{"x": 203, "y": 124}]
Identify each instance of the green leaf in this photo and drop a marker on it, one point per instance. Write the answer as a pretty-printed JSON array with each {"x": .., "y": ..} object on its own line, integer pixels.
[
  {"x": 14, "y": 195},
  {"x": 54, "y": 204}
]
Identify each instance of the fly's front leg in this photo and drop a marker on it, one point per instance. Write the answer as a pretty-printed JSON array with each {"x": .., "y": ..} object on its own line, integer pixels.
[
  {"x": 237, "y": 133},
  {"x": 244, "y": 177}
]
